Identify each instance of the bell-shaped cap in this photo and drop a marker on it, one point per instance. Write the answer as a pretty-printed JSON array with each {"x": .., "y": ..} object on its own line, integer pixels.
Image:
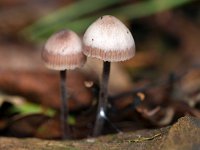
[
  {"x": 108, "y": 39},
  {"x": 63, "y": 50}
]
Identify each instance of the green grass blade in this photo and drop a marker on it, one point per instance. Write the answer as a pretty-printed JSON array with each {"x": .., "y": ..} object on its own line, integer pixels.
[
  {"x": 57, "y": 19},
  {"x": 128, "y": 12},
  {"x": 30, "y": 108},
  {"x": 147, "y": 8},
  {"x": 131, "y": 11}
]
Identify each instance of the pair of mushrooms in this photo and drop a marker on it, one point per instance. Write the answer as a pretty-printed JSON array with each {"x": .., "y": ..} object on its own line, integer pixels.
[{"x": 107, "y": 39}]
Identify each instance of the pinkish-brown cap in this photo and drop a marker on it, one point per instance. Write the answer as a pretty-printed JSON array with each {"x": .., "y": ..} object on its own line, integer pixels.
[
  {"x": 63, "y": 50},
  {"x": 108, "y": 39}
]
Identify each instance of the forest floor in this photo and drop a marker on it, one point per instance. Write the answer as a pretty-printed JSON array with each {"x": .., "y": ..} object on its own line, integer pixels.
[
  {"x": 183, "y": 135},
  {"x": 154, "y": 98}
]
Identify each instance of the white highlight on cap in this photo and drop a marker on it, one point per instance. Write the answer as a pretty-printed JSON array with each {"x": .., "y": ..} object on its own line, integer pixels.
[{"x": 109, "y": 34}]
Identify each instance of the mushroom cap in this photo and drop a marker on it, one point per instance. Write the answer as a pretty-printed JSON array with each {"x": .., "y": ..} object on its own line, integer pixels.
[
  {"x": 108, "y": 39},
  {"x": 63, "y": 50}
]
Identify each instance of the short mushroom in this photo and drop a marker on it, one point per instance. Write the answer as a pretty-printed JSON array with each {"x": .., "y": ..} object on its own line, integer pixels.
[
  {"x": 63, "y": 51},
  {"x": 110, "y": 40}
]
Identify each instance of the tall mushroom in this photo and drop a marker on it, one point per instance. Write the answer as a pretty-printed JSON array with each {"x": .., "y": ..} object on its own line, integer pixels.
[
  {"x": 63, "y": 51},
  {"x": 110, "y": 40}
]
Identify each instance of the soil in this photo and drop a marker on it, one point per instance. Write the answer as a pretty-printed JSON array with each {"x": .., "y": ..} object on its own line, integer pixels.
[{"x": 183, "y": 135}]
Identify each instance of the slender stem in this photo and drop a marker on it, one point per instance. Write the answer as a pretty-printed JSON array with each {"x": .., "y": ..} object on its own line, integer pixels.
[
  {"x": 64, "y": 109},
  {"x": 103, "y": 98}
]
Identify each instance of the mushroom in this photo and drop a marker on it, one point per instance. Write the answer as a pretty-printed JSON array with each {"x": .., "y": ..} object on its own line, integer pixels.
[
  {"x": 110, "y": 40},
  {"x": 63, "y": 51}
]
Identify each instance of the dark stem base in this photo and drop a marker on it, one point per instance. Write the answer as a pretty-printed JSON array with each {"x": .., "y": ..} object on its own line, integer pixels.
[
  {"x": 103, "y": 98},
  {"x": 64, "y": 106}
]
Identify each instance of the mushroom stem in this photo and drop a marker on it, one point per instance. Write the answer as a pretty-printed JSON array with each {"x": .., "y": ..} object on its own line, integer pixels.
[
  {"x": 103, "y": 98},
  {"x": 64, "y": 106}
]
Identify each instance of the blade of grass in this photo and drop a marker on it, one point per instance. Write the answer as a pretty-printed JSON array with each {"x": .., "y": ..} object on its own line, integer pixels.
[
  {"x": 78, "y": 26},
  {"x": 30, "y": 108},
  {"x": 66, "y": 14},
  {"x": 133, "y": 11},
  {"x": 147, "y": 8}
]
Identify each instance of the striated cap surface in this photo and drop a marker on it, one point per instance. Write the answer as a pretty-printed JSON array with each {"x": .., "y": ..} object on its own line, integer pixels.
[
  {"x": 109, "y": 39},
  {"x": 63, "y": 50}
]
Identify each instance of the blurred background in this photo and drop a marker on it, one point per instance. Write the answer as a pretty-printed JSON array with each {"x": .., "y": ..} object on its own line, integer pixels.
[{"x": 155, "y": 88}]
